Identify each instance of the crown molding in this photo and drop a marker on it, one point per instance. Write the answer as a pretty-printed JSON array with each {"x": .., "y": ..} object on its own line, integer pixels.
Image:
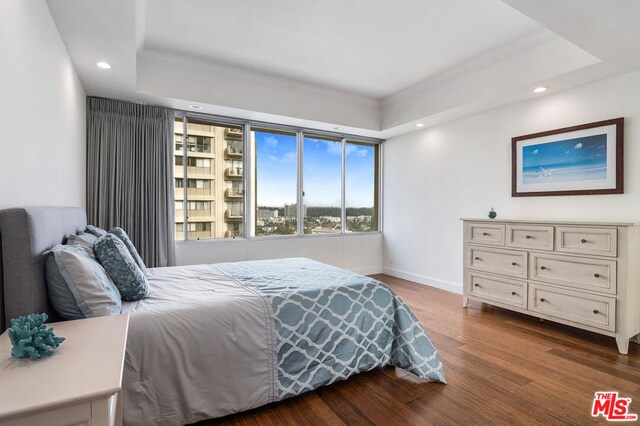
[
  {"x": 226, "y": 72},
  {"x": 508, "y": 50}
]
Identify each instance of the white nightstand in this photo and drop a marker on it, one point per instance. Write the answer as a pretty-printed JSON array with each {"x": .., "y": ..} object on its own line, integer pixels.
[{"x": 78, "y": 385}]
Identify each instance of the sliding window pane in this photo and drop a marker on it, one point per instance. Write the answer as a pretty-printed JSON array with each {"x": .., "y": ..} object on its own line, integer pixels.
[
  {"x": 322, "y": 186},
  {"x": 275, "y": 182},
  {"x": 212, "y": 194},
  {"x": 361, "y": 187}
]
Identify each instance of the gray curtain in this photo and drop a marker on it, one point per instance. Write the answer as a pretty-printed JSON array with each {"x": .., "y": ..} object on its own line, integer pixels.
[{"x": 130, "y": 174}]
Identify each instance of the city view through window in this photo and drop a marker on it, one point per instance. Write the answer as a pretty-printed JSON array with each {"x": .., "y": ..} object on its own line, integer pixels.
[
  {"x": 276, "y": 185},
  {"x": 210, "y": 193}
]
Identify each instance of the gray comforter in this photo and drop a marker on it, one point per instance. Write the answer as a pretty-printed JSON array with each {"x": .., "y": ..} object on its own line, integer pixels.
[{"x": 212, "y": 340}]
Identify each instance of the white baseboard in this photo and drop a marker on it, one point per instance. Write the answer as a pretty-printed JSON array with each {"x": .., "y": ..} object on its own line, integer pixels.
[
  {"x": 422, "y": 279},
  {"x": 367, "y": 270}
]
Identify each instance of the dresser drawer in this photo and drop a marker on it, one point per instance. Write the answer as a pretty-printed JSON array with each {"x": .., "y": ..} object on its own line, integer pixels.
[
  {"x": 578, "y": 272},
  {"x": 568, "y": 305},
  {"x": 502, "y": 290},
  {"x": 485, "y": 233},
  {"x": 596, "y": 241},
  {"x": 498, "y": 261},
  {"x": 530, "y": 237}
]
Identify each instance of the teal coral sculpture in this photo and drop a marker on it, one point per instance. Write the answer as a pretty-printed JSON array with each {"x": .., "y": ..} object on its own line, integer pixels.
[{"x": 31, "y": 338}]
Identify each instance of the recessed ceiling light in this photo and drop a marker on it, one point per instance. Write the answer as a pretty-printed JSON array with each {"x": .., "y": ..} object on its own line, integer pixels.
[
  {"x": 540, "y": 89},
  {"x": 103, "y": 65},
  {"x": 419, "y": 125},
  {"x": 194, "y": 106}
]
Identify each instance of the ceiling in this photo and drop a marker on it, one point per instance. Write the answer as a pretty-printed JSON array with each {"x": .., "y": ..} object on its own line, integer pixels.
[
  {"x": 369, "y": 67},
  {"x": 369, "y": 47}
]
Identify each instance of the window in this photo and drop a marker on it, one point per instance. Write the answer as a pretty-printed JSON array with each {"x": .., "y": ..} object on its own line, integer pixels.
[
  {"x": 322, "y": 182},
  {"x": 212, "y": 164},
  {"x": 330, "y": 183},
  {"x": 361, "y": 187},
  {"x": 276, "y": 176}
]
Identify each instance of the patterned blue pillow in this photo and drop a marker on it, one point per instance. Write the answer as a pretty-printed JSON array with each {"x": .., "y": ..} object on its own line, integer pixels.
[
  {"x": 122, "y": 269},
  {"x": 119, "y": 232},
  {"x": 78, "y": 286}
]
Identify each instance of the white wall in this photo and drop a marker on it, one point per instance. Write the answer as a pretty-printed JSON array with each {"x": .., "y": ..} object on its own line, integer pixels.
[
  {"x": 434, "y": 177},
  {"x": 358, "y": 253},
  {"x": 42, "y": 111}
]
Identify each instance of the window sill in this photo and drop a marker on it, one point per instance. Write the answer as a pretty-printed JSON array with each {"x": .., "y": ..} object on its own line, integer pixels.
[{"x": 276, "y": 237}]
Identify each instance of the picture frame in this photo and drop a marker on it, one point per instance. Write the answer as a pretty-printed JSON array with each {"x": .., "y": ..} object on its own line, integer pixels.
[{"x": 587, "y": 159}]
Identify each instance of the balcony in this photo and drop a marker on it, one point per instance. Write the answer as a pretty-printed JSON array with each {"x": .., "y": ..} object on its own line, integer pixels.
[
  {"x": 233, "y": 173},
  {"x": 232, "y": 133},
  {"x": 232, "y": 153},
  {"x": 233, "y": 234},
  {"x": 232, "y": 195},
  {"x": 233, "y": 215}
]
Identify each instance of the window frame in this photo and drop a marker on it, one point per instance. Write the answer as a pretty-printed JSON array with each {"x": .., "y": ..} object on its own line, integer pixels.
[{"x": 249, "y": 175}]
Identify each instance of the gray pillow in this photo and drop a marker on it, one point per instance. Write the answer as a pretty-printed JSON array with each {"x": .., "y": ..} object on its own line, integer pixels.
[
  {"x": 98, "y": 232},
  {"x": 78, "y": 286},
  {"x": 122, "y": 269},
  {"x": 119, "y": 232},
  {"x": 82, "y": 239}
]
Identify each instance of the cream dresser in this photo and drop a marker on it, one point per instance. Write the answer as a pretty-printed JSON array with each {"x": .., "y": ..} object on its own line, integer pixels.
[
  {"x": 78, "y": 385},
  {"x": 586, "y": 275}
]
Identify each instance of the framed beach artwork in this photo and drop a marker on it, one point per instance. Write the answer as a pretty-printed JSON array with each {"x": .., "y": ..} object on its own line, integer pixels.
[{"x": 578, "y": 160}]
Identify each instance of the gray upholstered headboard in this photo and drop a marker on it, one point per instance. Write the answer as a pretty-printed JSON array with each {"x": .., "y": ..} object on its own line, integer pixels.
[{"x": 26, "y": 234}]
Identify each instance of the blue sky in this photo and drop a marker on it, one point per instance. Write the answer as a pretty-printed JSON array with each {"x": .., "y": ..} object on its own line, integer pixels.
[
  {"x": 276, "y": 172},
  {"x": 577, "y": 151}
]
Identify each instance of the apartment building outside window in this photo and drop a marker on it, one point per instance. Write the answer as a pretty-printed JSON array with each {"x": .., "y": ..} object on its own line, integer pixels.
[{"x": 212, "y": 164}]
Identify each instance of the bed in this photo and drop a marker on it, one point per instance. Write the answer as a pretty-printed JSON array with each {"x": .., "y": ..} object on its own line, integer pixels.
[{"x": 212, "y": 340}]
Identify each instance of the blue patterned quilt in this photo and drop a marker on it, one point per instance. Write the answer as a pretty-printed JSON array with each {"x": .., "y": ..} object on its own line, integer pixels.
[{"x": 331, "y": 323}]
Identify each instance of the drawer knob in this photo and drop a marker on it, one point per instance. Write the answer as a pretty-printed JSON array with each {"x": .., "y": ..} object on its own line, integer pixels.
[
  {"x": 542, "y": 299},
  {"x": 476, "y": 258},
  {"x": 583, "y": 241},
  {"x": 596, "y": 275},
  {"x": 514, "y": 264},
  {"x": 477, "y": 285},
  {"x": 595, "y": 311},
  {"x": 543, "y": 267},
  {"x": 528, "y": 237},
  {"x": 513, "y": 293},
  {"x": 485, "y": 234}
]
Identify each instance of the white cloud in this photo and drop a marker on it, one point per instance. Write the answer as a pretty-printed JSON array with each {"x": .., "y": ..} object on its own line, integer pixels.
[
  {"x": 273, "y": 158},
  {"x": 289, "y": 157},
  {"x": 271, "y": 141},
  {"x": 578, "y": 145},
  {"x": 334, "y": 148},
  {"x": 568, "y": 152},
  {"x": 535, "y": 151}
]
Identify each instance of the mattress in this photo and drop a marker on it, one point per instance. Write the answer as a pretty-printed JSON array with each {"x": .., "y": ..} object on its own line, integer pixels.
[{"x": 213, "y": 340}]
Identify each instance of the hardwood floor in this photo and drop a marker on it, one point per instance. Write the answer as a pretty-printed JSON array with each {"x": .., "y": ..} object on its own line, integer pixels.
[{"x": 502, "y": 368}]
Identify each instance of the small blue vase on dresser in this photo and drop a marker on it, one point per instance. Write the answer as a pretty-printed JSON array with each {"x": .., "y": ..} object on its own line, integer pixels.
[{"x": 493, "y": 214}]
